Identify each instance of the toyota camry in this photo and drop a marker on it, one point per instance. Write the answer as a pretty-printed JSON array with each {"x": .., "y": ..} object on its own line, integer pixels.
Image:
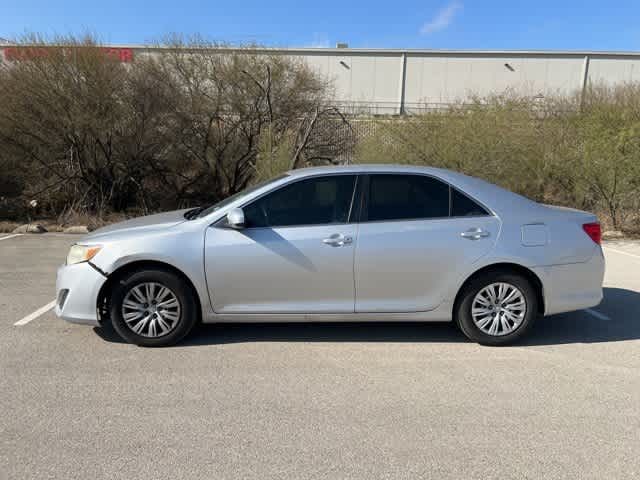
[{"x": 346, "y": 243}]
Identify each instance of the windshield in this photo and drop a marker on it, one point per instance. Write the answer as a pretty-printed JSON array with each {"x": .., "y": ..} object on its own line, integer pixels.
[{"x": 236, "y": 196}]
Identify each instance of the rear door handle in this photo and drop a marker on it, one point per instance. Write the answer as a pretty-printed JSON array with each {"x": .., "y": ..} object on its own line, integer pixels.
[
  {"x": 474, "y": 234},
  {"x": 338, "y": 240}
]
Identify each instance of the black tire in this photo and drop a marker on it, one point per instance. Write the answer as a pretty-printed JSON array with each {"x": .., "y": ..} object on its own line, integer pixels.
[
  {"x": 188, "y": 316},
  {"x": 464, "y": 319}
]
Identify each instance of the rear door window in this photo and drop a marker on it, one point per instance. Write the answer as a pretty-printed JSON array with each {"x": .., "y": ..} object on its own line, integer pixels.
[{"x": 406, "y": 197}]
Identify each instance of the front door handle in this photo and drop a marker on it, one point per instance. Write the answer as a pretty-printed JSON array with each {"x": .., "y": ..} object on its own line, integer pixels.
[
  {"x": 474, "y": 234},
  {"x": 338, "y": 240}
]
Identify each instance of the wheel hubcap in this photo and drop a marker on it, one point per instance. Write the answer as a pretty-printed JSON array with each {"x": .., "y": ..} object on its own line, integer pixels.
[
  {"x": 498, "y": 309},
  {"x": 151, "y": 310}
]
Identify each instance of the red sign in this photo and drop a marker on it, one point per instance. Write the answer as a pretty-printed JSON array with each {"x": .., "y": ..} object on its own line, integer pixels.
[
  {"x": 125, "y": 55},
  {"x": 15, "y": 54}
]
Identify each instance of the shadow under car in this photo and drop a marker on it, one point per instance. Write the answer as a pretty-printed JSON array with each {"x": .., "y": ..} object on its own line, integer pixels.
[{"x": 622, "y": 305}]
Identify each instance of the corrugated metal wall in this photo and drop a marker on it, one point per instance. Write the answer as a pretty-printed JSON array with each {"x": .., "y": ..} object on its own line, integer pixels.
[{"x": 372, "y": 81}]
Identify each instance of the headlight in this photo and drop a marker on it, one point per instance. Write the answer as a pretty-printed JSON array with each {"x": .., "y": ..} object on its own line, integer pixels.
[{"x": 82, "y": 253}]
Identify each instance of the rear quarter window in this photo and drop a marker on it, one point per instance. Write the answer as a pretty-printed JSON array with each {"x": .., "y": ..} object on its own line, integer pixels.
[{"x": 463, "y": 206}]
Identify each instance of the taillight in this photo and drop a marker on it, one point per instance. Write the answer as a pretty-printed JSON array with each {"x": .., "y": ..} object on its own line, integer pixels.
[{"x": 594, "y": 231}]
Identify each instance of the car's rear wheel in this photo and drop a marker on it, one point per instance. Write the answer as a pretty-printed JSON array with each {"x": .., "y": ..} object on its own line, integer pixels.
[
  {"x": 152, "y": 308},
  {"x": 497, "y": 308}
]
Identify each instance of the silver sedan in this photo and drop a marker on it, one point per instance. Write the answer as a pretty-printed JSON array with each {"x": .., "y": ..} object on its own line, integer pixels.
[{"x": 355, "y": 243}]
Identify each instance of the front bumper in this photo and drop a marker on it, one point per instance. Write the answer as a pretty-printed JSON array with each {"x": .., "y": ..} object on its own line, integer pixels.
[{"x": 77, "y": 289}]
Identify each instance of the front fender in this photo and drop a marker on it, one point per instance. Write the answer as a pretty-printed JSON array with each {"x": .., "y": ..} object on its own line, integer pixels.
[{"x": 181, "y": 250}]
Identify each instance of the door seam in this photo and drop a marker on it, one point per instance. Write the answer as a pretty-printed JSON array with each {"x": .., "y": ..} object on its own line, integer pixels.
[{"x": 353, "y": 266}]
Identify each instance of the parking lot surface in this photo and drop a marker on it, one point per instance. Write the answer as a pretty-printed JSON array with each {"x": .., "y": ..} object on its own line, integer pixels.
[{"x": 316, "y": 400}]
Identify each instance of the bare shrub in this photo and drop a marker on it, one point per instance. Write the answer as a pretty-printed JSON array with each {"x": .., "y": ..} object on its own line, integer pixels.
[
  {"x": 184, "y": 125},
  {"x": 551, "y": 150}
]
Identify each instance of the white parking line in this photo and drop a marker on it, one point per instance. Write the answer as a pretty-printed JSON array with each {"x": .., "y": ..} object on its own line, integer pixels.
[
  {"x": 622, "y": 253},
  {"x": 36, "y": 314},
  {"x": 10, "y": 236},
  {"x": 598, "y": 315}
]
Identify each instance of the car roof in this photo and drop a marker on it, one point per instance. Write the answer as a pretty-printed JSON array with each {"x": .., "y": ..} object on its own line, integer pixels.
[
  {"x": 501, "y": 201},
  {"x": 367, "y": 168},
  {"x": 442, "y": 173}
]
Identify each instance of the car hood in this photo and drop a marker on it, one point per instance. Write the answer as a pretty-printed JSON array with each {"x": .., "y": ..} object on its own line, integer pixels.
[{"x": 159, "y": 221}]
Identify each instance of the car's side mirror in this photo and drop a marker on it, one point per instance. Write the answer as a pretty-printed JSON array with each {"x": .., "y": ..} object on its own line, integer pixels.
[{"x": 235, "y": 219}]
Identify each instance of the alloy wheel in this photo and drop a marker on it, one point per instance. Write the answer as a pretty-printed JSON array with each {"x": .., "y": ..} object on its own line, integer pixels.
[
  {"x": 151, "y": 310},
  {"x": 498, "y": 309}
]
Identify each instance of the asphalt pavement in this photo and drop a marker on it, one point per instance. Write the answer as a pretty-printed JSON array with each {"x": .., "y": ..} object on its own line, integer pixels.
[{"x": 338, "y": 401}]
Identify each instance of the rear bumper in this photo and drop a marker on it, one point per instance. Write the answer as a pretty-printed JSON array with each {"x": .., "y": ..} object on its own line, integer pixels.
[
  {"x": 573, "y": 286},
  {"x": 77, "y": 289}
]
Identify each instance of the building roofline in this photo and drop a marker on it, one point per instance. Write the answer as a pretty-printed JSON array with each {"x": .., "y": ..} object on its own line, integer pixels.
[{"x": 374, "y": 51}]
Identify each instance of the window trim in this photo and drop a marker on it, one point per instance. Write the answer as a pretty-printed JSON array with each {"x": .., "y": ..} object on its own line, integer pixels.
[
  {"x": 362, "y": 183},
  {"x": 365, "y": 202},
  {"x": 221, "y": 223}
]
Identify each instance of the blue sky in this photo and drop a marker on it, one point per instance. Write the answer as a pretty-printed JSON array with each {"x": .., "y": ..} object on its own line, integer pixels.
[{"x": 454, "y": 24}]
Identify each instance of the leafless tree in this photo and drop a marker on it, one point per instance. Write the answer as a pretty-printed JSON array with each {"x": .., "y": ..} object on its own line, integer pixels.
[
  {"x": 178, "y": 126},
  {"x": 222, "y": 103}
]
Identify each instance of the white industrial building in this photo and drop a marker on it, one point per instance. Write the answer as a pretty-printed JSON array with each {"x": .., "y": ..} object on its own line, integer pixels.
[
  {"x": 391, "y": 81},
  {"x": 382, "y": 81}
]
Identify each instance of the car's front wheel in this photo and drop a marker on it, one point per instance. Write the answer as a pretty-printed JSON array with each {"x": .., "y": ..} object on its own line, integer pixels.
[
  {"x": 497, "y": 308},
  {"x": 152, "y": 308}
]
